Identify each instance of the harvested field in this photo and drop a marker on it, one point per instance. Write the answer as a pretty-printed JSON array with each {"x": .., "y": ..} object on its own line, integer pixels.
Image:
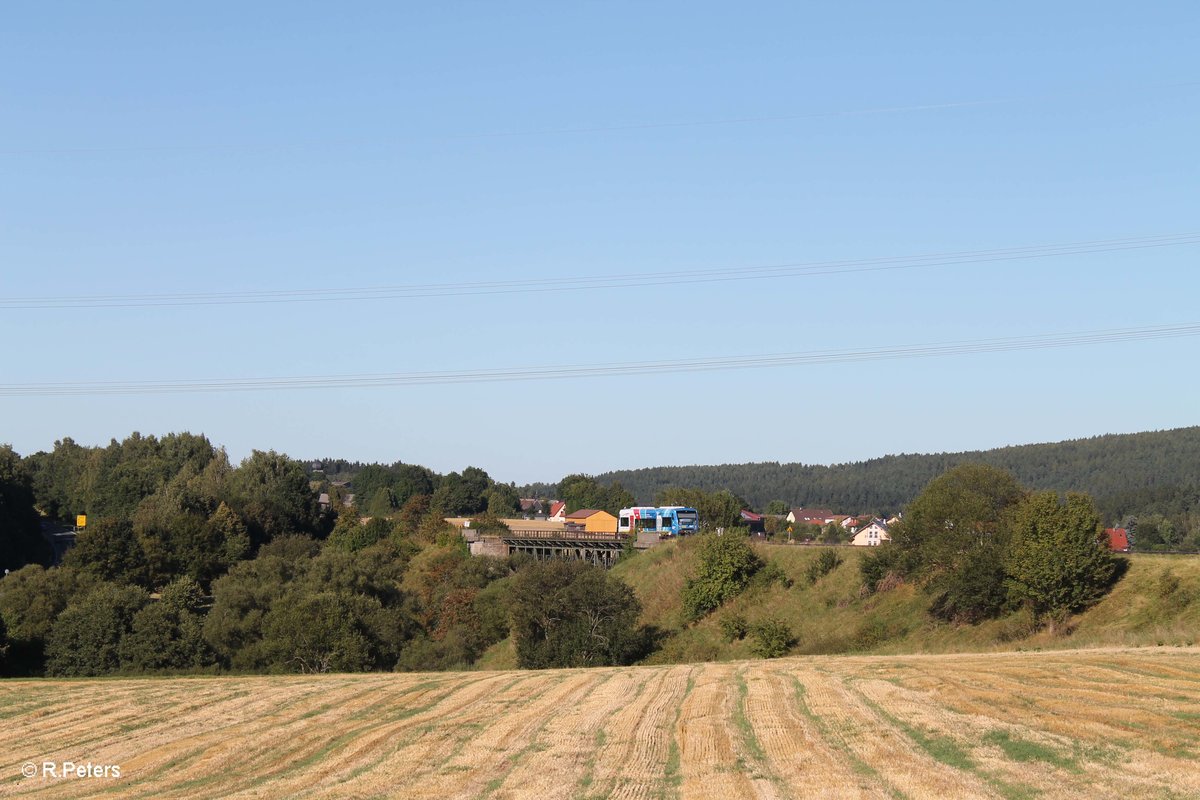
[{"x": 1090, "y": 723}]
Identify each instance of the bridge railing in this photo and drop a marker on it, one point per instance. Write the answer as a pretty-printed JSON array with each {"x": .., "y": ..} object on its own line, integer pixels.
[{"x": 579, "y": 536}]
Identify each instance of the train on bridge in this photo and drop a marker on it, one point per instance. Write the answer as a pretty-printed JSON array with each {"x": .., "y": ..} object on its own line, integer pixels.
[
  {"x": 640, "y": 527},
  {"x": 663, "y": 520}
]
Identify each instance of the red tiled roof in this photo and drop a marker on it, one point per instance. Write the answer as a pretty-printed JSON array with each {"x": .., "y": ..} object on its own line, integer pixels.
[
  {"x": 557, "y": 507},
  {"x": 1118, "y": 539},
  {"x": 583, "y": 513},
  {"x": 750, "y": 516}
]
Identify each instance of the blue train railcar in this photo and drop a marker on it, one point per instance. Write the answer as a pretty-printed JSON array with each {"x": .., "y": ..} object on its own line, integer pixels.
[{"x": 664, "y": 520}]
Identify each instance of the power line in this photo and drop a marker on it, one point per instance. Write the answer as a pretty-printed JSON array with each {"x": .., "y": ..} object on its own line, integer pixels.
[
  {"x": 234, "y": 147},
  {"x": 566, "y": 372},
  {"x": 609, "y": 281}
]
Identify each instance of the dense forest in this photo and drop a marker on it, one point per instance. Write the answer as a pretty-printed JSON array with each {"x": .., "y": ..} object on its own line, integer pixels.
[{"x": 1130, "y": 475}]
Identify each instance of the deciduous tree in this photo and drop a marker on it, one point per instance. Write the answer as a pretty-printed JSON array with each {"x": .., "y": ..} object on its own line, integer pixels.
[
  {"x": 1059, "y": 560},
  {"x": 571, "y": 614}
]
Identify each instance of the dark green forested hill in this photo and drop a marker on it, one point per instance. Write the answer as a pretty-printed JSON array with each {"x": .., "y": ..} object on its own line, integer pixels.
[{"x": 1125, "y": 472}]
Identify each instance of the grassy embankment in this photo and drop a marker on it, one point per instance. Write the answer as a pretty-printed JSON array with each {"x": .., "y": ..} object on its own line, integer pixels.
[{"x": 1157, "y": 603}]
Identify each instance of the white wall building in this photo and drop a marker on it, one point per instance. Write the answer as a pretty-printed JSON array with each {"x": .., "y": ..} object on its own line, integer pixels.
[{"x": 871, "y": 535}]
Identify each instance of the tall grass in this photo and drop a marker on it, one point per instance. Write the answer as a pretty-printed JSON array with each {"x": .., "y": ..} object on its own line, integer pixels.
[{"x": 1156, "y": 603}]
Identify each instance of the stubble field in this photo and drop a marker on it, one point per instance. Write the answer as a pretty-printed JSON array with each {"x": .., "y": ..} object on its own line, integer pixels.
[{"x": 1099, "y": 723}]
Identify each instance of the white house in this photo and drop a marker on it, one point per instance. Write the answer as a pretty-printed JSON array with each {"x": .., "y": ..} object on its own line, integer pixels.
[{"x": 871, "y": 535}]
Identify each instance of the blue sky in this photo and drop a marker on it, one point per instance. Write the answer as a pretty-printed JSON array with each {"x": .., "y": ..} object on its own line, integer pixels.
[{"x": 150, "y": 148}]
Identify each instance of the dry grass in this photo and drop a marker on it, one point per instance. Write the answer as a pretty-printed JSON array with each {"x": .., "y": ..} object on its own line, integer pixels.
[
  {"x": 1087, "y": 723},
  {"x": 1156, "y": 603}
]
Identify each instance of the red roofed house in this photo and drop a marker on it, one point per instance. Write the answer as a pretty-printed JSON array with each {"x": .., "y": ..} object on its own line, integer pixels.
[
  {"x": 753, "y": 521},
  {"x": 1118, "y": 539},
  {"x": 556, "y": 511}
]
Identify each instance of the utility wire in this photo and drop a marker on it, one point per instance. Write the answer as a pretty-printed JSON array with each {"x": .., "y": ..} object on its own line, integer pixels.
[
  {"x": 610, "y": 281},
  {"x": 564, "y": 372},
  {"x": 233, "y": 147}
]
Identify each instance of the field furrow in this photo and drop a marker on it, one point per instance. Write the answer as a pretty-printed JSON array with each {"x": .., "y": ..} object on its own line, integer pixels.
[
  {"x": 877, "y": 745},
  {"x": 710, "y": 764},
  {"x": 798, "y": 754},
  {"x": 632, "y": 762},
  {"x": 1103, "y": 723}
]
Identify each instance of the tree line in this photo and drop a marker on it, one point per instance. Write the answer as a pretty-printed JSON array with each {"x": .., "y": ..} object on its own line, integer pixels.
[
  {"x": 982, "y": 544},
  {"x": 1133, "y": 478},
  {"x": 188, "y": 563}
]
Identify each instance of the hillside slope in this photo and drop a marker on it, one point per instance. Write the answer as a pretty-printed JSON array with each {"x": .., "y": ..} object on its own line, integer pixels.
[
  {"x": 1013, "y": 725},
  {"x": 1121, "y": 470},
  {"x": 1157, "y": 602}
]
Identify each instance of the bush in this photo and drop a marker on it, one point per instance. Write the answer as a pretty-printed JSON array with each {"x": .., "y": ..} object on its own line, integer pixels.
[
  {"x": 734, "y": 627},
  {"x": 874, "y": 631},
  {"x": 727, "y": 563},
  {"x": 164, "y": 638},
  {"x": 31, "y": 599},
  {"x": 571, "y": 614},
  {"x": 825, "y": 563},
  {"x": 770, "y": 573},
  {"x": 974, "y": 591},
  {"x": 351, "y": 534},
  {"x": 86, "y": 637},
  {"x": 884, "y": 567},
  {"x": 772, "y": 638}
]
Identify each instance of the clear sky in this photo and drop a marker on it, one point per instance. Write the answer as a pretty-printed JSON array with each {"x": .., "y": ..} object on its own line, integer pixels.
[{"x": 151, "y": 148}]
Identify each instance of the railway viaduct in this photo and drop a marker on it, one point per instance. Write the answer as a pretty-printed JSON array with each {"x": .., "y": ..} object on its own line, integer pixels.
[{"x": 601, "y": 549}]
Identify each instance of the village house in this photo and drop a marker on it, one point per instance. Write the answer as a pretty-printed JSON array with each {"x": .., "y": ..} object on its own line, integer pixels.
[
  {"x": 811, "y": 516},
  {"x": 871, "y": 535},
  {"x": 1118, "y": 539},
  {"x": 755, "y": 522}
]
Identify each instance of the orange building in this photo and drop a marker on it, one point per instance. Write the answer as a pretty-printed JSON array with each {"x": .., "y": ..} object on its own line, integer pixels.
[{"x": 593, "y": 520}]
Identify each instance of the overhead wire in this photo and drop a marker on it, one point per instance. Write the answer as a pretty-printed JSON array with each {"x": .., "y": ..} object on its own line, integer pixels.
[
  {"x": 605, "y": 370},
  {"x": 234, "y": 147},
  {"x": 607, "y": 281}
]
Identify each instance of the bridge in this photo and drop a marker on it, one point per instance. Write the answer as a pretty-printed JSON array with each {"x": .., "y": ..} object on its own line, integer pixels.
[{"x": 601, "y": 549}]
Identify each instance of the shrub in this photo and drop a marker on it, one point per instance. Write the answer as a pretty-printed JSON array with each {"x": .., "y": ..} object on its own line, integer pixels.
[
  {"x": 352, "y": 535},
  {"x": 31, "y": 599},
  {"x": 86, "y": 637},
  {"x": 884, "y": 567},
  {"x": 874, "y": 631},
  {"x": 571, "y": 614},
  {"x": 825, "y": 563},
  {"x": 727, "y": 563},
  {"x": 734, "y": 627},
  {"x": 770, "y": 573},
  {"x": 772, "y": 638},
  {"x": 974, "y": 590}
]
